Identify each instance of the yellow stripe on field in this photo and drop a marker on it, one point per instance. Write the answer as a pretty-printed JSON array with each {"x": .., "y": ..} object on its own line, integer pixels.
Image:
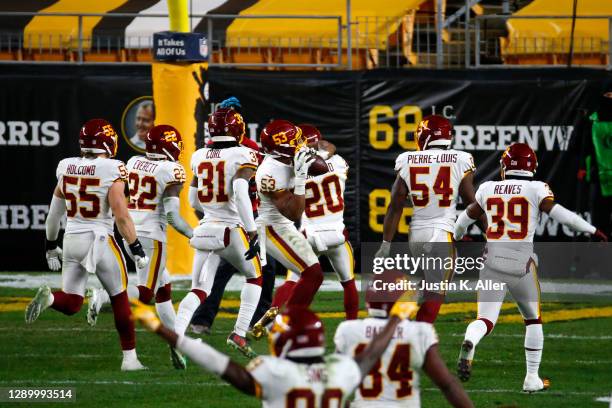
[
  {"x": 18, "y": 304},
  {"x": 563, "y": 315}
]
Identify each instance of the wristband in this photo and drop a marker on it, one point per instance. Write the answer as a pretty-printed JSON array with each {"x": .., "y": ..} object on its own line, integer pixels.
[
  {"x": 136, "y": 248},
  {"x": 300, "y": 186},
  {"x": 50, "y": 244}
]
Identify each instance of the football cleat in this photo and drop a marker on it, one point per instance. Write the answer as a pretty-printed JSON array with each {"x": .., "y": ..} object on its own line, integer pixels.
[
  {"x": 40, "y": 302},
  {"x": 241, "y": 344},
  {"x": 94, "y": 305},
  {"x": 464, "y": 365},
  {"x": 259, "y": 329},
  {"x": 533, "y": 383},
  {"x": 132, "y": 364},
  {"x": 178, "y": 360}
]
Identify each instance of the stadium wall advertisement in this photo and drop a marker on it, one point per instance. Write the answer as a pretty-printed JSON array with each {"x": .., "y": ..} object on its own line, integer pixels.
[{"x": 370, "y": 116}]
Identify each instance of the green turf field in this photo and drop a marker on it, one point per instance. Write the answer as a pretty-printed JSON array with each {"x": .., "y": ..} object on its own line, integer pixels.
[{"x": 60, "y": 351}]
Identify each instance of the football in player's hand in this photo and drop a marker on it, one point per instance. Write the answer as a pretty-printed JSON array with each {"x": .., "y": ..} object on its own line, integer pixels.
[{"x": 318, "y": 167}]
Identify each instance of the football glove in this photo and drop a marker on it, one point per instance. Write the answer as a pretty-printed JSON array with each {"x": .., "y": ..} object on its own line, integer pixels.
[
  {"x": 384, "y": 250},
  {"x": 302, "y": 161},
  {"x": 599, "y": 235},
  {"x": 253, "y": 250},
  {"x": 145, "y": 315},
  {"x": 403, "y": 309},
  {"x": 140, "y": 258},
  {"x": 54, "y": 257}
]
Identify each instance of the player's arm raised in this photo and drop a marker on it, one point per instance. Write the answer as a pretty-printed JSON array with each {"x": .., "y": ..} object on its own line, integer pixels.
[
  {"x": 240, "y": 185},
  {"x": 399, "y": 192},
  {"x": 436, "y": 369},
  {"x": 200, "y": 353},
  {"x": 125, "y": 225},
  {"x": 370, "y": 355},
  {"x": 561, "y": 214},
  {"x": 172, "y": 209},
  {"x": 57, "y": 209}
]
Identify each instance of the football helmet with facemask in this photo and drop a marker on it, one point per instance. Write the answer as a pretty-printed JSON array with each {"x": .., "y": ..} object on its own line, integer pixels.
[
  {"x": 281, "y": 138},
  {"x": 518, "y": 160},
  {"x": 226, "y": 125},
  {"x": 98, "y": 136},
  {"x": 434, "y": 131},
  {"x": 164, "y": 142},
  {"x": 310, "y": 133},
  {"x": 297, "y": 332}
]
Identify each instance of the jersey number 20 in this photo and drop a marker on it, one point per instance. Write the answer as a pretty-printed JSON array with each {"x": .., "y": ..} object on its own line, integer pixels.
[{"x": 333, "y": 201}]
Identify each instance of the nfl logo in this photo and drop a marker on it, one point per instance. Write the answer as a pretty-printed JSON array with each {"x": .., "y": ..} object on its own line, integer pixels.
[{"x": 204, "y": 47}]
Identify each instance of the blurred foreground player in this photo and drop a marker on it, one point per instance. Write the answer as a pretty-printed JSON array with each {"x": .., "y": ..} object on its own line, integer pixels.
[
  {"x": 513, "y": 207},
  {"x": 297, "y": 373},
  {"x": 220, "y": 190},
  {"x": 394, "y": 380},
  {"x": 323, "y": 224},
  {"x": 155, "y": 182},
  {"x": 433, "y": 176},
  {"x": 90, "y": 190}
]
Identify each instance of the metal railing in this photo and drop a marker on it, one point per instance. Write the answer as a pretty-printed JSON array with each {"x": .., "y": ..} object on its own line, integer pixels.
[
  {"x": 412, "y": 40},
  {"x": 77, "y": 46},
  {"x": 541, "y": 50}
]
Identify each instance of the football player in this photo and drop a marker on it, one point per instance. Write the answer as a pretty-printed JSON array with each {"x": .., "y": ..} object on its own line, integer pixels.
[
  {"x": 433, "y": 176},
  {"x": 394, "y": 379},
  {"x": 281, "y": 184},
  {"x": 297, "y": 373},
  {"x": 512, "y": 207},
  {"x": 220, "y": 190},
  {"x": 90, "y": 190},
  {"x": 155, "y": 182},
  {"x": 323, "y": 224}
]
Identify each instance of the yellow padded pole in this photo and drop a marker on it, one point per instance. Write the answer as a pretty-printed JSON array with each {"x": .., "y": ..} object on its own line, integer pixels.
[{"x": 179, "y": 15}]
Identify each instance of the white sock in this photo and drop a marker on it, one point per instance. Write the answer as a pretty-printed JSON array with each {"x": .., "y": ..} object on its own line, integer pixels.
[
  {"x": 104, "y": 298},
  {"x": 474, "y": 333},
  {"x": 186, "y": 310},
  {"x": 130, "y": 354},
  {"x": 166, "y": 313},
  {"x": 249, "y": 297},
  {"x": 133, "y": 292},
  {"x": 50, "y": 300},
  {"x": 534, "y": 341}
]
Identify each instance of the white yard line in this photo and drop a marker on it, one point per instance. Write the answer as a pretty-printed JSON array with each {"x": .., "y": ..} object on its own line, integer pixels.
[{"x": 54, "y": 280}]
